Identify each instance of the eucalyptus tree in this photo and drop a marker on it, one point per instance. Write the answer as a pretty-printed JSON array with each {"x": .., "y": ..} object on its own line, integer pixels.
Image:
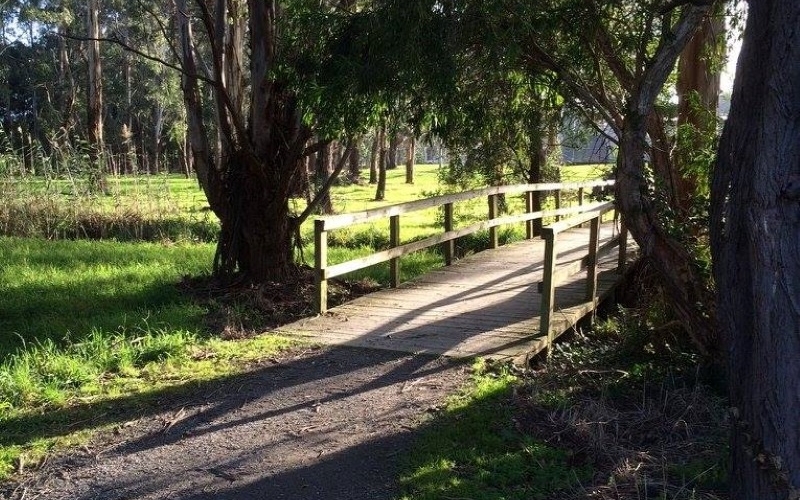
[{"x": 262, "y": 63}]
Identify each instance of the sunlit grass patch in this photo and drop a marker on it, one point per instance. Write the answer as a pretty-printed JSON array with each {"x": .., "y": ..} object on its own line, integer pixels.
[{"x": 473, "y": 450}]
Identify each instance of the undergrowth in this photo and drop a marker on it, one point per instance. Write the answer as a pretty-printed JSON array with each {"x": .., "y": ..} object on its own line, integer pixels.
[
  {"x": 473, "y": 449},
  {"x": 630, "y": 399},
  {"x": 620, "y": 412}
]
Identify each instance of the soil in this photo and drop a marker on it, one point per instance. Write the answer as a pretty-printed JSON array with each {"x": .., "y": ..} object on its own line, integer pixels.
[{"x": 317, "y": 424}]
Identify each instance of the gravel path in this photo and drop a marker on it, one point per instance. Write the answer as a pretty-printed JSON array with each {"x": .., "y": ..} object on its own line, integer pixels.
[{"x": 320, "y": 424}]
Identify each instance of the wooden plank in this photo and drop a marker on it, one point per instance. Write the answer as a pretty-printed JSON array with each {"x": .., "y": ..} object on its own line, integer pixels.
[{"x": 338, "y": 221}]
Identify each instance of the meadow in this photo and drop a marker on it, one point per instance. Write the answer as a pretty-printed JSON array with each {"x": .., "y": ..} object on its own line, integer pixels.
[{"x": 93, "y": 293}]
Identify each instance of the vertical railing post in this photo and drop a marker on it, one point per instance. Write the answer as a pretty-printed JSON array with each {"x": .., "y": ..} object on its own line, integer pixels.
[
  {"x": 591, "y": 267},
  {"x": 622, "y": 260},
  {"x": 493, "y": 214},
  {"x": 320, "y": 265},
  {"x": 558, "y": 203},
  {"x": 394, "y": 241},
  {"x": 449, "y": 246},
  {"x": 580, "y": 199},
  {"x": 529, "y": 224},
  {"x": 548, "y": 285}
]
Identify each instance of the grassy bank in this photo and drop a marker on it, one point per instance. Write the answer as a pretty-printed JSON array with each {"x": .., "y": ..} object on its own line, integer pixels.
[
  {"x": 621, "y": 412},
  {"x": 90, "y": 322}
]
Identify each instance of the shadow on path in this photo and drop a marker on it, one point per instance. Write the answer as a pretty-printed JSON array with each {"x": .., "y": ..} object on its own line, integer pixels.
[{"x": 327, "y": 424}]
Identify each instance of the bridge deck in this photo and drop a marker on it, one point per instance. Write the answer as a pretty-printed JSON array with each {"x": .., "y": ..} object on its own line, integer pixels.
[{"x": 486, "y": 304}]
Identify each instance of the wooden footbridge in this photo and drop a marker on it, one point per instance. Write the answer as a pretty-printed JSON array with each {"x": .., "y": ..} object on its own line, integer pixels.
[{"x": 509, "y": 302}]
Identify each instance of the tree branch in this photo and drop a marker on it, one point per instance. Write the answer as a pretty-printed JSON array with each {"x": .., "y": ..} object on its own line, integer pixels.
[
  {"x": 320, "y": 195},
  {"x": 139, "y": 53}
]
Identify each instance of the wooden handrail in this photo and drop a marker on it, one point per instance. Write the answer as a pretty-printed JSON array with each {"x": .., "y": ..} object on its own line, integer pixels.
[
  {"x": 332, "y": 222},
  {"x": 323, "y": 225},
  {"x": 552, "y": 275}
]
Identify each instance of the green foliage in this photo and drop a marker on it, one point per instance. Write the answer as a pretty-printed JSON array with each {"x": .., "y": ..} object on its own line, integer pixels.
[{"x": 472, "y": 450}]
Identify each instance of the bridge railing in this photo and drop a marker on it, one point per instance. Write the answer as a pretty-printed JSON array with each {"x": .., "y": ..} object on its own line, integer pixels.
[
  {"x": 553, "y": 274},
  {"x": 323, "y": 225}
]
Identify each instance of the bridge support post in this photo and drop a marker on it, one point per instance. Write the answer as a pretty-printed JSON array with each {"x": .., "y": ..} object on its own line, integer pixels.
[
  {"x": 493, "y": 241},
  {"x": 622, "y": 260},
  {"x": 591, "y": 268},
  {"x": 449, "y": 246},
  {"x": 320, "y": 265},
  {"x": 548, "y": 285},
  {"x": 394, "y": 241},
  {"x": 530, "y": 227}
]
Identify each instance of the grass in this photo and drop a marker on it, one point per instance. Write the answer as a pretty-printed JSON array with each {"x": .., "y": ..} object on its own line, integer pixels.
[
  {"x": 95, "y": 321},
  {"x": 620, "y": 412},
  {"x": 473, "y": 450},
  {"x": 90, "y": 323}
]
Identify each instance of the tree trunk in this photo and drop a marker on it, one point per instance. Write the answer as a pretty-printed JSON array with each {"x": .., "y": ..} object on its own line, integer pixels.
[
  {"x": 683, "y": 282},
  {"x": 380, "y": 192},
  {"x": 374, "y": 158},
  {"x": 391, "y": 157},
  {"x": 324, "y": 168},
  {"x": 755, "y": 222},
  {"x": 411, "y": 155},
  {"x": 66, "y": 81},
  {"x": 698, "y": 89},
  {"x": 354, "y": 165},
  {"x": 94, "y": 108},
  {"x": 249, "y": 183},
  {"x": 538, "y": 158}
]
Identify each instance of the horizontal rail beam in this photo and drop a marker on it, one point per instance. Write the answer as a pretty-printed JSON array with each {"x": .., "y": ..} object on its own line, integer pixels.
[
  {"x": 339, "y": 221},
  {"x": 589, "y": 213},
  {"x": 399, "y": 251}
]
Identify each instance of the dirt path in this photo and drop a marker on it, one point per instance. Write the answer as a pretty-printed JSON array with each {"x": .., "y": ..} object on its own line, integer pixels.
[{"x": 322, "y": 424}]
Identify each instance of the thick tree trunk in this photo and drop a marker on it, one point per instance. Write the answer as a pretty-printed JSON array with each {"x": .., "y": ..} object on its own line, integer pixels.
[
  {"x": 354, "y": 163},
  {"x": 537, "y": 160},
  {"x": 755, "y": 222},
  {"x": 391, "y": 156},
  {"x": 324, "y": 169},
  {"x": 249, "y": 183}
]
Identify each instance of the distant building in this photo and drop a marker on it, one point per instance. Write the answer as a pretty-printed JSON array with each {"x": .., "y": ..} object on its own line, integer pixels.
[{"x": 597, "y": 149}]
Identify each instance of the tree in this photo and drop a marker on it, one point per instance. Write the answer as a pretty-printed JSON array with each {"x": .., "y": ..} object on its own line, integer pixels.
[
  {"x": 264, "y": 128},
  {"x": 94, "y": 109},
  {"x": 609, "y": 60},
  {"x": 698, "y": 88},
  {"x": 755, "y": 209},
  {"x": 411, "y": 153}
]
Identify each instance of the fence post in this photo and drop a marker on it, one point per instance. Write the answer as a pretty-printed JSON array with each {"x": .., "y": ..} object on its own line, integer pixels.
[
  {"x": 558, "y": 203},
  {"x": 394, "y": 241},
  {"x": 529, "y": 224},
  {"x": 492, "y": 215},
  {"x": 591, "y": 268},
  {"x": 548, "y": 285},
  {"x": 320, "y": 265},
  {"x": 449, "y": 246}
]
